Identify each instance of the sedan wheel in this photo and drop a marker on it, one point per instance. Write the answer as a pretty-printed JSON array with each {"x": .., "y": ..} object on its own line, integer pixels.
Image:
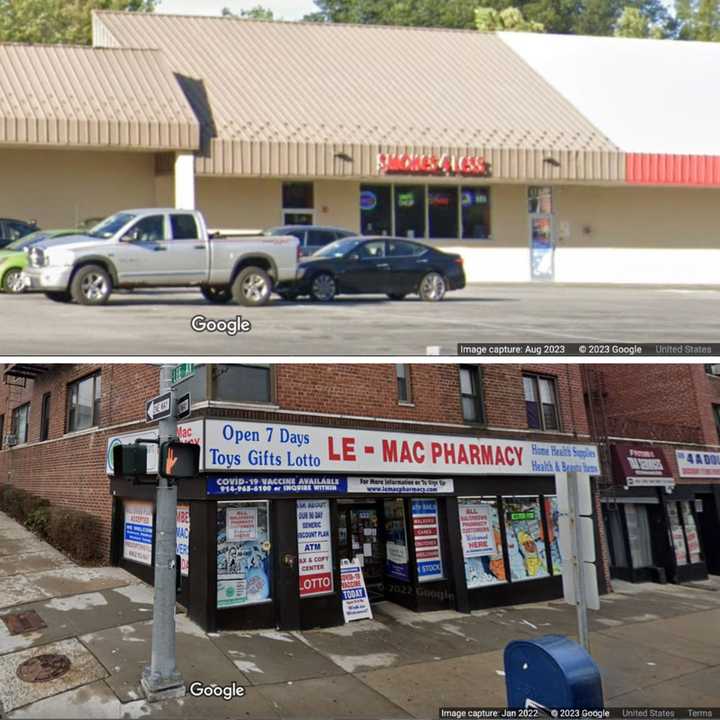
[
  {"x": 12, "y": 282},
  {"x": 91, "y": 285},
  {"x": 323, "y": 287},
  {"x": 432, "y": 287},
  {"x": 252, "y": 287}
]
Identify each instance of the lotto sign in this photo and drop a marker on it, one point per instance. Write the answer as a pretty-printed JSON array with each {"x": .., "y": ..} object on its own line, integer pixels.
[
  {"x": 314, "y": 555},
  {"x": 355, "y": 601},
  {"x": 698, "y": 464},
  {"x": 182, "y": 540},
  {"x": 138, "y": 532},
  {"x": 427, "y": 540},
  {"x": 241, "y": 524},
  {"x": 478, "y": 538}
]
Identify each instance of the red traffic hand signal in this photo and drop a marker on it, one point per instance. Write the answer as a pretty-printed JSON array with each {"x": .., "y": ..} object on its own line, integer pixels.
[{"x": 178, "y": 460}]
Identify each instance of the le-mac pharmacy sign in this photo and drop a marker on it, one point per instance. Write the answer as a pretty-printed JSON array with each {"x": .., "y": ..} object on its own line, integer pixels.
[
  {"x": 240, "y": 446},
  {"x": 698, "y": 464}
]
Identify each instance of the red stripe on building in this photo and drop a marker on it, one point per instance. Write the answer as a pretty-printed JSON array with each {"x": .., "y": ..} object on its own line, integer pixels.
[{"x": 659, "y": 169}]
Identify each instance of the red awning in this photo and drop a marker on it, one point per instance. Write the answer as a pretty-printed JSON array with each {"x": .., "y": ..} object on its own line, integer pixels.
[{"x": 660, "y": 169}]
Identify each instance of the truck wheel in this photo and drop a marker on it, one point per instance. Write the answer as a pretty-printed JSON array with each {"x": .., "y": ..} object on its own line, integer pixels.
[
  {"x": 91, "y": 285},
  {"x": 323, "y": 287},
  {"x": 252, "y": 287},
  {"x": 432, "y": 287},
  {"x": 217, "y": 295},
  {"x": 61, "y": 297},
  {"x": 11, "y": 282}
]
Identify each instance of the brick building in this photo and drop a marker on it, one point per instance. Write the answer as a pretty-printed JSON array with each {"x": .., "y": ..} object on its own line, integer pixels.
[
  {"x": 658, "y": 427},
  {"x": 440, "y": 477}
]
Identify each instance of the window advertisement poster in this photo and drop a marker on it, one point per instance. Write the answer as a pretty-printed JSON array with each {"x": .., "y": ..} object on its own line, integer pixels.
[
  {"x": 314, "y": 547},
  {"x": 241, "y": 524},
  {"x": 355, "y": 600},
  {"x": 481, "y": 542},
  {"x": 552, "y": 514},
  {"x": 396, "y": 551},
  {"x": 676, "y": 534},
  {"x": 525, "y": 539},
  {"x": 426, "y": 532},
  {"x": 243, "y": 566},
  {"x": 182, "y": 541},
  {"x": 691, "y": 533},
  {"x": 138, "y": 532}
]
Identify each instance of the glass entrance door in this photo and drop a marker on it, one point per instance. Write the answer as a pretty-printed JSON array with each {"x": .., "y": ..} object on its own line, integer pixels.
[{"x": 360, "y": 536}]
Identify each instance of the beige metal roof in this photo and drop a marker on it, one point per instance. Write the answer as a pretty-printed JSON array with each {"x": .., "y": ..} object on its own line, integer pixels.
[
  {"x": 76, "y": 96},
  {"x": 282, "y": 98}
]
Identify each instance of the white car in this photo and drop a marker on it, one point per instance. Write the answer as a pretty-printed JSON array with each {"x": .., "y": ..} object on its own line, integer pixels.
[{"x": 160, "y": 247}]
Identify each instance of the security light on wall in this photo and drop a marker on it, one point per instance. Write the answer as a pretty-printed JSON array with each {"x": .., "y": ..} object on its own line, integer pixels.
[
  {"x": 343, "y": 156},
  {"x": 552, "y": 162}
]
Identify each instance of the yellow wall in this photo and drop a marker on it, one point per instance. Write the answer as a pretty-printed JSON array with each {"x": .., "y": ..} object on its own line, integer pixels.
[
  {"x": 239, "y": 202},
  {"x": 338, "y": 204},
  {"x": 634, "y": 217},
  {"x": 59, "y": 188}
]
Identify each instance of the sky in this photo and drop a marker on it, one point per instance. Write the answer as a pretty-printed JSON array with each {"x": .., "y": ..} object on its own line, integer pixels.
[{"x": 283, "y": 9}]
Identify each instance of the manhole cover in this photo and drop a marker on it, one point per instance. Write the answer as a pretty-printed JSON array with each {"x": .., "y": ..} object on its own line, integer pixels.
[
  {"x": 22, "y": 622},
  {"x": 43, "y": 668}
]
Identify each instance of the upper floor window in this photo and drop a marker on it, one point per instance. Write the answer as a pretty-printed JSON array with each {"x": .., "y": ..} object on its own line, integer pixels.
[
  {"x": 242, "y": 383},
  {"x": 2, "y": 431},
  {"x": 20, "y": 423},
  {"x": 471, "y": 394},
  {"x": 716, "y": 413},
  {"x": 541, "y": 402},
  {"x": 45, "y": 417},
  {"x": 84, "y": 403},
  {"x": 713, "y": 370},
  {"x": 404, "y": 387}
]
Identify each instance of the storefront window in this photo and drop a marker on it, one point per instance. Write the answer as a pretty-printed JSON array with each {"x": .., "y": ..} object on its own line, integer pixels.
[
  {"x": 617, "y": 539},
  {"x": 376, "y": 209},
  {"x": 298, "y": 203},
  {"x": 552, "y": 517},
  {"x": 314, "y": 547},
  {"x": 481, "y": 542},
  {"x": 638, "y": 527},
  {"x": 676, "y": 534},
  {"x": 426, "y": 532},
  {"x": 691, "y": 534},
  {"x": 410, "y": 211},
  {"x": 443, "y": 212},
  {"x": 243, "y": 553},
  {"x": 396, "y": 551},
  {"x": 475, "y": 204},
  {"x": 525, "y": 538}
]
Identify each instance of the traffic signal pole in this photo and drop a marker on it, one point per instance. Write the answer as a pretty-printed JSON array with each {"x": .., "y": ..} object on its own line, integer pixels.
[{"x": 161, "y": 678}]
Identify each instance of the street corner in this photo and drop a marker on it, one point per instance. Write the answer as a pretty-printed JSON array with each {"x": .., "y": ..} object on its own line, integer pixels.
[{"x": 34, "y": 674}]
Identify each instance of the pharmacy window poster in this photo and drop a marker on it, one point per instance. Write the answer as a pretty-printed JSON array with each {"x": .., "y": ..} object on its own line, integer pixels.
[
  {"x": 481, "y": 542},
  {"x": 552, "y": 514},
  {"x": 426, "y": 532},
  {"x": 243, "y": 565},
  {"x": 525, "y": 538},
  {"x": 138, "y": 532},
  {"x": 314, "y": 547},
  {"x": 396, "y": 552}
]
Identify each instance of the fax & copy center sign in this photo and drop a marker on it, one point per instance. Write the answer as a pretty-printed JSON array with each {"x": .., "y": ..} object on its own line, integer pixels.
[{"x": 240, "y": 446}]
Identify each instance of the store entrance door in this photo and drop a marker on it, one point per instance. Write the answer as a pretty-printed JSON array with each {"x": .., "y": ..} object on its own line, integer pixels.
[
  {"x": 360, "y": 535},
  {"x": 709, "y": 531}
]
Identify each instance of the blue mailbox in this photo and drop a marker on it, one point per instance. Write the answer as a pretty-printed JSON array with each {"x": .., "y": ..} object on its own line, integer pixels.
[{"x": 551, "y": 671}]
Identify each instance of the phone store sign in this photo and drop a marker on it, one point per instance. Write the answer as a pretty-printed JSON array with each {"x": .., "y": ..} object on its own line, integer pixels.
[
  {"x": 412, "y": 164},
  {"x": 241, "y": 446}
]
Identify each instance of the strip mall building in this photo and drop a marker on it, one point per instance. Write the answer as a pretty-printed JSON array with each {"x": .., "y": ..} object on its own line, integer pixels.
[
  {"x": 537, "y": 157},
  {"x": 439, "y": 479}
]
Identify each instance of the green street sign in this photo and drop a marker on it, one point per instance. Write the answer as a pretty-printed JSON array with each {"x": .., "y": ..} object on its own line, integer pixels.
[{"x": 182, "y": 372}]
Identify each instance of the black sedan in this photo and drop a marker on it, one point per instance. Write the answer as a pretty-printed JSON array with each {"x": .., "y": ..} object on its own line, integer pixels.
[{"x": 393, "y": 266}]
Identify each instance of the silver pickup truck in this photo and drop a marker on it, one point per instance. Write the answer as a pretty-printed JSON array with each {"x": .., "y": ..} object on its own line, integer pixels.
[{"x": 160, "y": 247}]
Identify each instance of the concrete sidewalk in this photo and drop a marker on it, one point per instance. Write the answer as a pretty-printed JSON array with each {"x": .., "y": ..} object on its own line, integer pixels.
[{"x": 655, "y": 645}]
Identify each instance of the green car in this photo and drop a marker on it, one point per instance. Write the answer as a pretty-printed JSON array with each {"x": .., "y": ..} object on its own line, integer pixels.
[{"x": 13, "y": 259}]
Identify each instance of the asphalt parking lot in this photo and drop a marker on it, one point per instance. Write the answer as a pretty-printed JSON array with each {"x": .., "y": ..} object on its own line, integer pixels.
[{"x": 159, "y": 322}]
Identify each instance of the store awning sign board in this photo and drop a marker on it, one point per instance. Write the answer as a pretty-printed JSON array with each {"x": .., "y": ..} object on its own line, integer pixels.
[
  {"x": 242, "y": 446},
  {"x": 641, "y": 465},
  {"x": 698, "y": 463}
]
